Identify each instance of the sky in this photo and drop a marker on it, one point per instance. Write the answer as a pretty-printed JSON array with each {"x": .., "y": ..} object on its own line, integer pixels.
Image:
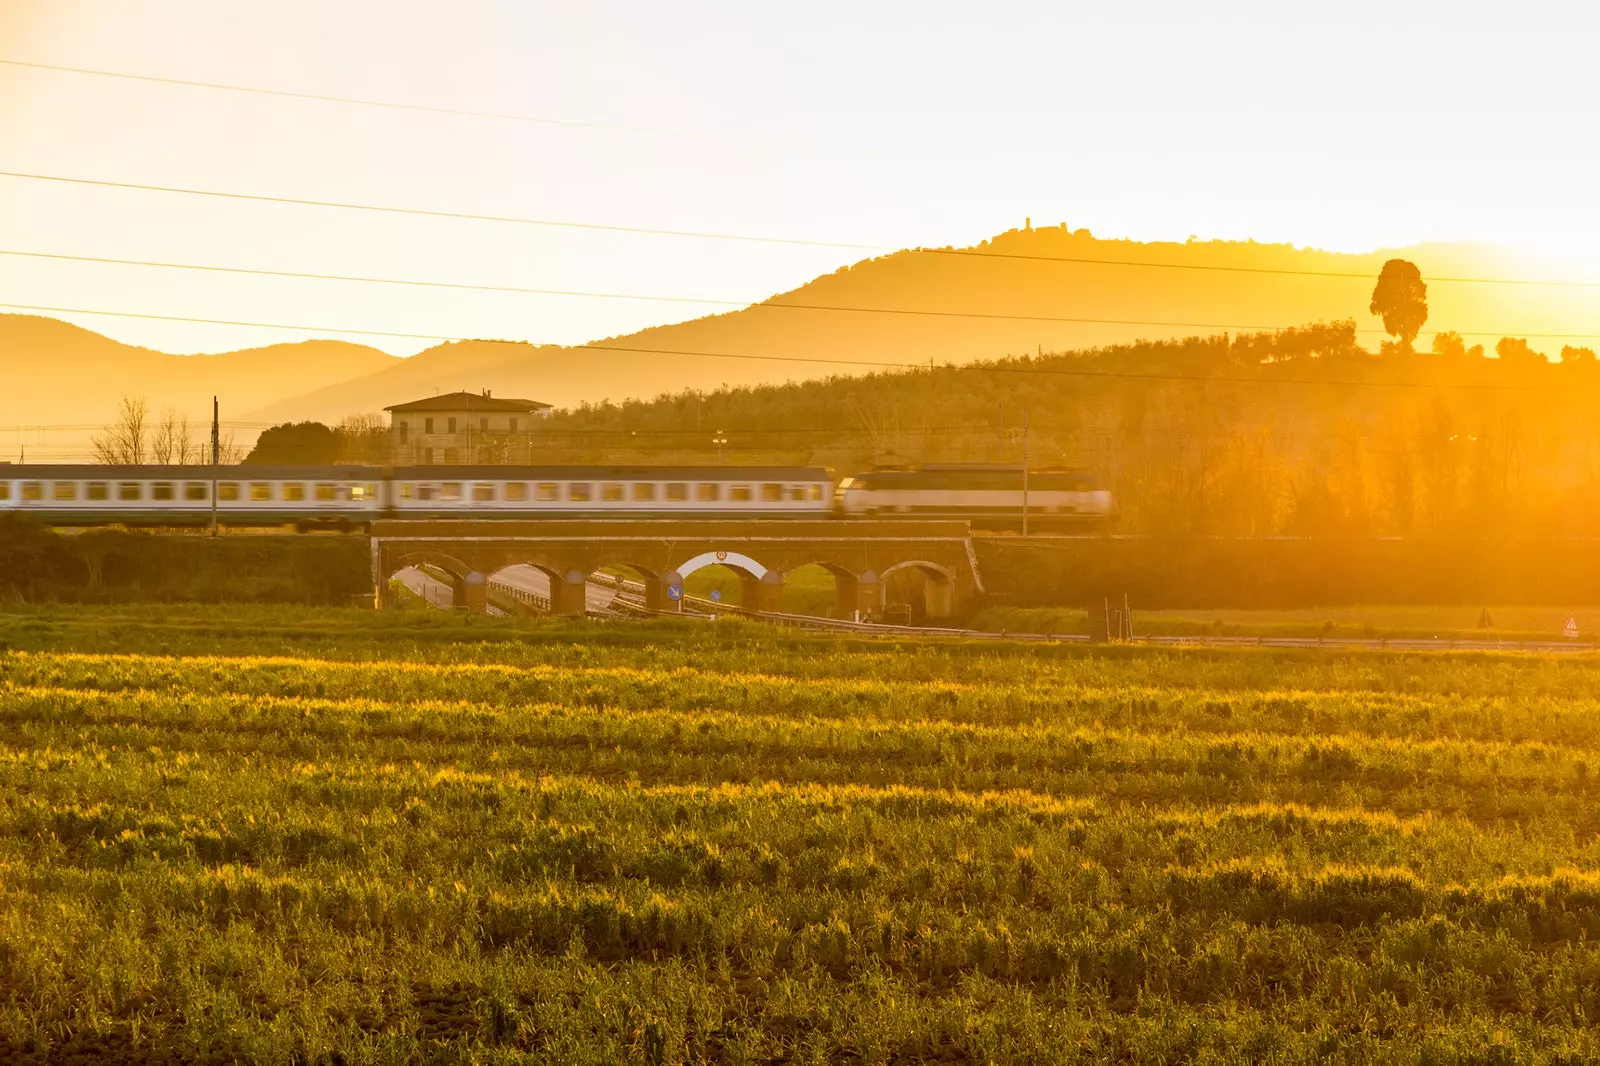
[{"x": 1349, "y": 126}]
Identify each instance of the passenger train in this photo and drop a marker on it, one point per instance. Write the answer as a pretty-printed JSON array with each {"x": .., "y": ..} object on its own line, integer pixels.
[{"x": 350, "y": 496}]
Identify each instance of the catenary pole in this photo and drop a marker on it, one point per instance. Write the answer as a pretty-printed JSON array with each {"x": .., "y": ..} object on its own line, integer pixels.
[
  {"x": 216, "y": 456},
  {"x": 1024, "y": 471}
]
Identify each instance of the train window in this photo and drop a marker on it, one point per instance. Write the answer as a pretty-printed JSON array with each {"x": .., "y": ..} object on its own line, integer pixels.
[
  {"x": 363, "y": 492},
  {"x": 97, "y": 490},
  {"x": 611, "y": 491},
  {"x": 708, "y": 492},
  {"x": 405, "y": 490},
  {"x": 294, "y": 490},
  {"x": 450, "y": 490},
  {"x": 579, "y": 490},
  {"x": 326, "y": 490},
  {"x": 677, "y": 490},
  {"x": 771, "y": 493},
  {"x": 33, "y": 490},
  {"x": 228, "y": 490},
  {"x": 424, "y": 492},
  {"x": 644, "y": 490},
  {"x": 65, "y": 490},
  {"x": 549, "y": 490},
  {"x": 517, "y": 491},
  {"x": 162, "y": 490},
  {"x": 483, "y": 493},
  {"x": 740, "y": 493},
  {"x": 5, "y": 490},
  {"x": 130, "y": 490},
  {"x": 816, "y": 492},
  {"x": 261, "y": 490},
  {"x": 196, "y": 490},
  {"x": 797, "y": 492}
]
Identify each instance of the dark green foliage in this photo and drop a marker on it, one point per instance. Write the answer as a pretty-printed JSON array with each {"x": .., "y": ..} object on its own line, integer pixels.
[{"x": 296, "y": 444}]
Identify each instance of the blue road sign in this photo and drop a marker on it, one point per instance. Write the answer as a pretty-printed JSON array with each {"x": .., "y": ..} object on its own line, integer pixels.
[
  {"x": 674, "y": 592},
  {"x": 716, "y": 595}
]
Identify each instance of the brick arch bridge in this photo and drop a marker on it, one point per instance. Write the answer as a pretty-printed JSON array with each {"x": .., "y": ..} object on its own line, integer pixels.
[{"x": 859, "y": 554}]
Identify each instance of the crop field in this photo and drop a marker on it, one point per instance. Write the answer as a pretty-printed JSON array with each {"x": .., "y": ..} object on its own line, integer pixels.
[{"x": 328, "y": 836}]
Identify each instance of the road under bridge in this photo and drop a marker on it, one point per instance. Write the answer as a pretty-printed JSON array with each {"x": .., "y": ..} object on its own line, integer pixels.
[{"x": 859, "y": 554}]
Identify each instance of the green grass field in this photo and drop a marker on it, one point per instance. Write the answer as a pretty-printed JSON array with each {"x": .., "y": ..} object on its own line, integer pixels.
[{"x": 281, "y": 836}]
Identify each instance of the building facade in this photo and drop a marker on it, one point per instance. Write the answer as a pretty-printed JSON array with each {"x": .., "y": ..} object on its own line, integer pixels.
[{"x": 463, "y": 428}]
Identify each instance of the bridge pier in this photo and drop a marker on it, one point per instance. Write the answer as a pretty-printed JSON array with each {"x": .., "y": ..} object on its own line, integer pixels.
[
  {"x": 853, "y": 593},
  {"x": 762, "y": 594},
  {"x": 472, "y": 592},
  {"x": 655, "y": 594},
  {"x": 569, "y": 595}
]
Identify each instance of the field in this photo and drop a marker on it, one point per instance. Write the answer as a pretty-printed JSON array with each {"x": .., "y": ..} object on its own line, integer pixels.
[{"x": 329, "y": 836}]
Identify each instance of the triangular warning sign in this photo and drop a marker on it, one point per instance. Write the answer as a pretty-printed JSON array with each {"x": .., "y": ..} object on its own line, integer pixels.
[
  {"x": 1484, "y": 621},
  {"x": 1572, "y": 627}
]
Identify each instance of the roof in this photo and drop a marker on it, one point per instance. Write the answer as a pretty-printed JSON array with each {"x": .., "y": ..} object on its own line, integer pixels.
[{"x": 468, "y": 401}]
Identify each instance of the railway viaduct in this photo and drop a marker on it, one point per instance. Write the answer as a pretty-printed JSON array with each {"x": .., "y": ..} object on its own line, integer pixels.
[{"x": 661, "y": 553}]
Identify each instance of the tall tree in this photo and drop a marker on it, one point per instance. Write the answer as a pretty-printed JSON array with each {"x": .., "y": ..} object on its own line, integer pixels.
[
  {"x": 1402, "y": 300},
  {"x": 126, "y": 441}
]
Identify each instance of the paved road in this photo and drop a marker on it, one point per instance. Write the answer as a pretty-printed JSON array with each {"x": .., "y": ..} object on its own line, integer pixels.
[{"x": 532, "y": 579}]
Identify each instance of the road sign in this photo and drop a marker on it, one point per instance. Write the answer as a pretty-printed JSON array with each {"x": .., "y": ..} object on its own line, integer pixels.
[
  {"x": 1572, "y": 628},
  {"x": 716, "y": 595},
  {"x": 674, "y": 592}
]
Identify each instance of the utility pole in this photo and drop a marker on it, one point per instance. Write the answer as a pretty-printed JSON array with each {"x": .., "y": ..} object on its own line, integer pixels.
[
  {"x": 216, "y": 457},
  {"x": 1024, "y": 471}
]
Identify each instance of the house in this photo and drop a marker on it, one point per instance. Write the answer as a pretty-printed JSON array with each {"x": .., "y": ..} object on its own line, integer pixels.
[{"x": 463, "y": 427}]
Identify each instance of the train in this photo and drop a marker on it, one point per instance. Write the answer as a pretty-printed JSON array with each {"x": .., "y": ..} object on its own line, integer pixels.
[{"x": 345, "y": 497}]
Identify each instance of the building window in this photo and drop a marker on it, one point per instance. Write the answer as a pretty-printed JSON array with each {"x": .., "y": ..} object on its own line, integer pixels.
[
  {"x": 326, "y": 491},
  {"x": 483, "y": 493},
  {"x": 708, "y": 492},
  {"x": 261, "y": 490},
  {"x": 483, "y": 425},
  {"x": 97, "y": 490},
  {"x": 644, "y": 490},
  {"x": 579, "y": 490},
  {"x": 130, "y": 490},
  {"x": 452, "y": 456},
  {"x": 611, "y": 491},
  {"x": 452, "y": 424},
  {"x": 427, "y": 427},
  {"x": 450, "y": 490},
  {"x": 65, "y": 490},
  {"x": 429, "y": 460},
  {"x": 511, "y": 425},
  {"x": 547, "y": 491},
  {"x": 677, "y": 491},
  {"x": 402, "y": 431},
  {"x": 740, "y": 494},
  {"x": 33, "y": 490},
  {"x": 228, "y": 490},
  {"x": 196, "y": 490}
]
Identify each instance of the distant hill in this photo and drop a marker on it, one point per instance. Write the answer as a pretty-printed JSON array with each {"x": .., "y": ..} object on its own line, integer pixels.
[
  {"x": 1020, "y": 274},
  {"x": 56, "y": 373}
]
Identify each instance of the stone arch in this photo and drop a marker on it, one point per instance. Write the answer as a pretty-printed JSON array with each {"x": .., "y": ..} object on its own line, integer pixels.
[
  {"x": 454, "y": 568},
  {"x": 849, "y": 590},
  {"x": 936, "y": 584},
  {"x": 604, "y": 588},
  {"x": 732, "y": 560},
  {"x": 526, "y": 581}
]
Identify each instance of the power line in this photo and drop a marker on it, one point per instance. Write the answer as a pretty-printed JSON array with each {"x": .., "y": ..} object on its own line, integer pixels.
[
  {"x": 358, "y": 101},
  {"x": 881, "y": 364},
  {"x": 759, "y": 239},
  {"x": 763, "y": 305},
  {"x": 428, "y": 213}
]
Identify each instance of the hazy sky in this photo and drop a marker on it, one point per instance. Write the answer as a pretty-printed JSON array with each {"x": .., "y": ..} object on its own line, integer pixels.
[{"x": 1342, "y": 125}]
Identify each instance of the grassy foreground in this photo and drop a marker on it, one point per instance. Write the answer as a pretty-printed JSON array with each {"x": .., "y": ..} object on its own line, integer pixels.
[{"x": 316, "y": 837}]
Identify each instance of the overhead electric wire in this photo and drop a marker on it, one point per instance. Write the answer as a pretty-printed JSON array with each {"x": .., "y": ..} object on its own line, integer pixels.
[
  {"x": 762, "y": 305},
  {"x": 875, "y": 364},
  {"x": 358, "y": 101},
  {"x": 761, "y": 239}
]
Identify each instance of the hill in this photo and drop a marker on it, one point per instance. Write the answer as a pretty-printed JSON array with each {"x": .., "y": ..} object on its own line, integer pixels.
[
  {"x": 1055, "y": 284},
  {"x": 60, "y": 374}
]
